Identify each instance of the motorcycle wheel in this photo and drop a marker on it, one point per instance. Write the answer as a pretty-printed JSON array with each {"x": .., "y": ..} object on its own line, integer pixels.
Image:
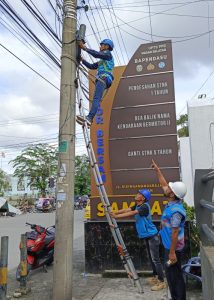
[
  {"x": 49, "y": 263},
  {"x": 18, "y": 271}
]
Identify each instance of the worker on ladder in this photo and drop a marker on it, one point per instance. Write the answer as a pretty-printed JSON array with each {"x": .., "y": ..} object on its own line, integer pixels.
[
  {"x": 104, "y": 77},
  {"x": 146, "y": 230}
]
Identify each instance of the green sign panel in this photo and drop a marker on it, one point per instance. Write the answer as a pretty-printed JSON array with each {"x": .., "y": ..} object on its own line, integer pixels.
[{"x": 63, "y": 146}]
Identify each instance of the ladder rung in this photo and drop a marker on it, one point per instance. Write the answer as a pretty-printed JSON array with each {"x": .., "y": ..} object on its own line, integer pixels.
[
  {"x": 113, "y": 226},
  {"x": 98, "y": 185},
  {"x": 123, "y": 252},
  {"x": 120, "y": 250}
]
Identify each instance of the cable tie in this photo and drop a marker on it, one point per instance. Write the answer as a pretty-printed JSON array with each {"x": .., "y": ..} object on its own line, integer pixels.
[
  {"x": 70, "y": 57},
  {"x": 70, "y": 42}
]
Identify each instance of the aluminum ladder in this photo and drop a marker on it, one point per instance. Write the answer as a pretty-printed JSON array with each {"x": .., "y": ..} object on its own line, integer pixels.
[{"x": 121, "y": 247}]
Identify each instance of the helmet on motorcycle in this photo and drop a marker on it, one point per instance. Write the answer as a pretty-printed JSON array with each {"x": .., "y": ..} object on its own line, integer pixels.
[
  {"x": 145, "y": 193},
  {"x": 109, "y": 43},
  {"x": 178, "y": 188},
  {"x": 46, "y": 203}
]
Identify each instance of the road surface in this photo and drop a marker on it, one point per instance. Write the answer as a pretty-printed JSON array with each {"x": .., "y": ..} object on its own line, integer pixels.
[{"x": 15, "y": 226}]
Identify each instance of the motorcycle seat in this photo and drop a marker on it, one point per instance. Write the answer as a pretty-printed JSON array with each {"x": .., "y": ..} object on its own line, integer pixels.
[
  {"x": 32, "y": 235},
  {"x": 48, "y": 239}
]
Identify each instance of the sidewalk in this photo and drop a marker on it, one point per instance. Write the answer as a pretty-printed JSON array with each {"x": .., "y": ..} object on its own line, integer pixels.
[{"x": 91, "y": 287}]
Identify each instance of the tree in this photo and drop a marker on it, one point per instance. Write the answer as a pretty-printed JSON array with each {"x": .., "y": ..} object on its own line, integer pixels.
[
  {"x": 4, "y": 182},
  {"x": 82, "y": 175},
  {"x": 38, "y": 163},
  {"x": 194, "y": 237},
  {"x": 182, "y": 122}
]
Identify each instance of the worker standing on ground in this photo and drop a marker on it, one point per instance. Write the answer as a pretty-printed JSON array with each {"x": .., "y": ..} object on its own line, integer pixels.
[
  {"x": 104, "y": 75},
  {"x": 147, "y": 231},
  {"x": 172, "y": 233}
]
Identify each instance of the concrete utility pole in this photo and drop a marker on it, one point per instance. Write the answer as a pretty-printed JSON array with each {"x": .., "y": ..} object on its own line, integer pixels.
[{"x": 62, "y": 279}]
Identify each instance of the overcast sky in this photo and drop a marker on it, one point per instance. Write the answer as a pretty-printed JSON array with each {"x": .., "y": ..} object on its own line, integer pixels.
[{"x": 29, "y": 105}]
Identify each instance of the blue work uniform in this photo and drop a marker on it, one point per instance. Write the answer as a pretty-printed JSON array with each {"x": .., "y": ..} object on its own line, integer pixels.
[{"x": 104, "y": 68}]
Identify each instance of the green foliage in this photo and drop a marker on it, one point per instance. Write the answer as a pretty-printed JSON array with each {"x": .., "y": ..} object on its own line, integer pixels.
[
  {"x": 38, "y": 163},
  {"x": 194, "y": 232},
  {"x": 82, "y": 175},
  {"x": 4, "y": 183},
  {"x": 182, "y": 122},
  {"x": 183, "y": 132}
]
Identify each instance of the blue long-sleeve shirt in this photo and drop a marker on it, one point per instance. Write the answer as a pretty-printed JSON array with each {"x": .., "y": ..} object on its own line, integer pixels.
[{"x": 105, "y": 55}]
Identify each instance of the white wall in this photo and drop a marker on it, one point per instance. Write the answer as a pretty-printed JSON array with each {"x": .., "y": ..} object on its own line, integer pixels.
[
  {"x": 201, "y": 129},
  {"x": 15, "y": 191},
  {"x": 186, "y": 169}
]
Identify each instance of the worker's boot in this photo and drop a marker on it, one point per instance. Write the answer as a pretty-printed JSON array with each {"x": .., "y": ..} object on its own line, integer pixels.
[
  {"x": 160, "y": 285},
  {"x": 80, "y": 120},
  {"x": 152, "y": 280}
]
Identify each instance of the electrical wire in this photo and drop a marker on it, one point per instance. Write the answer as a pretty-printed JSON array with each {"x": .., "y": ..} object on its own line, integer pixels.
[
  {"x": 203, "y": 84},
  {"x": 107, "y": 30},
  {"x": 159, "y": 4},
  {"x": 29, "y": 67},
  {"x": 95, "y": 23},
  {"x": 146, "y": 33},
  {"x": 124, "y": 46},
  {"x": 150, "y": 21},
  {"x": 46, "y": 26},
  {"x": 11, "y": 13},
  {"x": 114, "y": 30},
  {"x": 50, "y": 65}
]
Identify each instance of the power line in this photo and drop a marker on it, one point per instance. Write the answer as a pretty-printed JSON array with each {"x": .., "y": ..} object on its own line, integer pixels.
[
  {"x": 43, "y": 23},
  {"x": 36, "y": 117},
  {"x": 114, "y": 29},
  {"x": 165, "y": 14},
  {"x": 11, "y": 13},
  {"x": 28, "y": 45},
  {"x": 159, "y": 4},
  {"x": 153, "y": 14},
  {"x": 108, "y": 33},
  {"x": 29, "y": 67},
  {"x": 95, "y": 23},
  {"x": 124, "y": 46},
  {"x": 203, "y": 84},
  {"x": 174, "y": 42},
  {"x": 150, "y": 21}
]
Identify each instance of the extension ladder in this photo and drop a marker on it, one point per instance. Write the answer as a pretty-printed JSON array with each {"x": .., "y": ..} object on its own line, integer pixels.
[{"x": 121, "y": 247}]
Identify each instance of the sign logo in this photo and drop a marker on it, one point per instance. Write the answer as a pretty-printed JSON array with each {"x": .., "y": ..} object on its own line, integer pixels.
[
  {"x": 150, "y": 67},
  {"x": 162, "y": 65},
  {"x": 139, "y": 68}
]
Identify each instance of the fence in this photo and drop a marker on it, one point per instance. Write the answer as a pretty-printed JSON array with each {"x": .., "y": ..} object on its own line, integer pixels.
[{"x": 204, "y": 207}]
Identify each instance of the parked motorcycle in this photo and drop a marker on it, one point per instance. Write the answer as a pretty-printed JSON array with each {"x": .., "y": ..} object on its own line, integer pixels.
[
  {"x": 44, "y": 205},
  {"x": 40, "y": 247}
]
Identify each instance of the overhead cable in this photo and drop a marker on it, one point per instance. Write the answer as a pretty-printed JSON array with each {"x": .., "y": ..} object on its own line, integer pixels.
[{"x": 29, "y": 67}]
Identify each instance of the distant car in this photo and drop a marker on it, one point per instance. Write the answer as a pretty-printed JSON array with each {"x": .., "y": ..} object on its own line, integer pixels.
[{"x": 88, "y": 210}]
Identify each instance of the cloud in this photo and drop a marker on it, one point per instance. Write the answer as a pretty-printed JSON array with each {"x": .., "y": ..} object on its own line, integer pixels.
[{"x": 23, "y": 94}]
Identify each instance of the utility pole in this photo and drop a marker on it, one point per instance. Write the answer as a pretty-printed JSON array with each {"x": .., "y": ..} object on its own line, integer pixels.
[{"x": 62, "y": 278}]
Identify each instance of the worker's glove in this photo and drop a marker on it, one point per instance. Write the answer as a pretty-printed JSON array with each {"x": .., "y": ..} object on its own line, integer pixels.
[{"x": 81, "y": 45}]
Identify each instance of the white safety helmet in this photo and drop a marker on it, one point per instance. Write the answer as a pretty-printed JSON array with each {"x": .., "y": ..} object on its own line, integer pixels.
[{"x": 178, "y": 188}]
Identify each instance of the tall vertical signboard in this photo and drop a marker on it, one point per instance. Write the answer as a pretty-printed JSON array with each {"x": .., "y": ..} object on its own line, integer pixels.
[{"x": 135, "y": 124}]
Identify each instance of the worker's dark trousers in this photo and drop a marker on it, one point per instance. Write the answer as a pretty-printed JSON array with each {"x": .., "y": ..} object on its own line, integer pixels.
[
  {"x": 100, "y": 87},
  {"x": 152, "y": 245},
  {"x": 175, "y": 278}
]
